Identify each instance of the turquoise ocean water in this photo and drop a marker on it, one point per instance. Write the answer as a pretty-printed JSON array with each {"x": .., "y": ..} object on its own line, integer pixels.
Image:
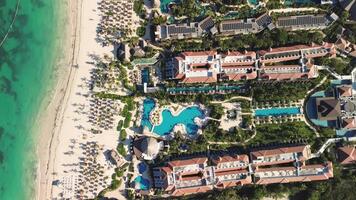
[{"x": 26, "y": 75}]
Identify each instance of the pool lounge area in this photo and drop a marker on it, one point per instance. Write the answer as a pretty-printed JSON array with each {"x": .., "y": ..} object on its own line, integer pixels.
[
  {"x": 218, "y": 89},
  {"x": 169, "y": 121}
]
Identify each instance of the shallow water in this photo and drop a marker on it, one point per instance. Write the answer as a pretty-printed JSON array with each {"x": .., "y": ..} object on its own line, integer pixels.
[{"x": 26, "y": 72}]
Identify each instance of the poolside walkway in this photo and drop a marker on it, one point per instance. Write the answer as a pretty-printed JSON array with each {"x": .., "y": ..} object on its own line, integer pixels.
[
  {"x": 284, "y": 10},
  {"x": 305, "y": 97},
  {"x": 232, "y": 98}
]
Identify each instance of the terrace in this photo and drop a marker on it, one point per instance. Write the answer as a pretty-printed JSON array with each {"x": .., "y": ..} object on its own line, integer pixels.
[
  {"x": 233, "y": 176},
  {"x": 282, "y": 69},
  {"x": 189, "y": 183},
  {"x": 287, "y": 157},
  {"x": 318, "y": 52},
  {"x": 188, "y": 168},
  {"x": 276, "y": 172},
  {"x": 285, "y": 56},
  {"x": 217, "y": 89},
  {"x": 235, "y": 164}
]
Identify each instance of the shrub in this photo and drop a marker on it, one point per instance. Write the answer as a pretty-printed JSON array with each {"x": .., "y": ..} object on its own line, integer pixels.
[
  {"x": 115, "y": 184},
  {"x": 141, "y": 31},
  {"x": 127, "y": 120},
  {"x": 121, "y": 149},
  {"x": 119, "y": 125},
  {"x": 123, "y": 135},
  {"x": 119, "y": 172}
]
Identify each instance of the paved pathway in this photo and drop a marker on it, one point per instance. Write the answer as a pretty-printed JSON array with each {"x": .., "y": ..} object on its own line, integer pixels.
[
  {"x": 332, "y": 72},
  {"x": 236, "y": 97},
  {"x": 284, "y": 10},
  {"x": 329, "y": 142}
]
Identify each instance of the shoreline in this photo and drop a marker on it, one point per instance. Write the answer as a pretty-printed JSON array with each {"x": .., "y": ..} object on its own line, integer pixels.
[
  {"x": 47, "y": 122},
  {"x": 65, "y": 128}
]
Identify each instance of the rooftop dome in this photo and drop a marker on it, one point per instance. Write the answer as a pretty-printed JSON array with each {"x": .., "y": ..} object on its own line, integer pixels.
[{"x": 146, "y": 148}]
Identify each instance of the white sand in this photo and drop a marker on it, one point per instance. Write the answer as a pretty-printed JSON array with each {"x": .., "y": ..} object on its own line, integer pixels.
[{"x": 61, "y": 121}]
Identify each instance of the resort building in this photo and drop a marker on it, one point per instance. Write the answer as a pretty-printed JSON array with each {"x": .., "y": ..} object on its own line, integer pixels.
[
  {"x": 345, "y": 47},
  {"x": 231, "y": 171},
  {"x": 339, "y": 108},
  {"x": 269, "y": 70},
  {"x": 246, "y": 26},
  {"x": 282, "y": 54},
  {"x": 196, "y": 67},
  {"x": 305, "y": 173},
  {"x": 336, "y": 106},
  {"x": 305, "y": 22},
  {"x": 209, "y": 66},
  {"x": 281, "y": 155},
  {"x": 347, "y": 155},
  {"x": 195, "y": 175},
  {"x": 185, "y": 30},
  {"x": 183, "y": 177},
  {"x": 288, "y": 72}
]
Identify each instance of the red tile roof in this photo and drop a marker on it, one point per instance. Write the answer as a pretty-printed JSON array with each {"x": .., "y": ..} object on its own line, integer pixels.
[
  {"x": 284, "y": 76},
  {"x": 238, "y": 76},
  {"x": 345, "y": 90},
  {"x": 228, "y": 158},
  {"x": 283, "y": 49},
  {"x": 237, "y": 53},
  {"x": 191, "y": 190},
  {"x": 349, "y": 123},
  {"x": 233, "y": 183},
  {"x": 347, "y": 155},
  {"x": 277, "y": 151},
  {"x": 177, "y": 163},
  {"x": 281, "y": 66},
  {"x": 198, "y": 53},
  {"x": 294, "y": 48},
  {"x": 199, "y": 80},
  {"x": 179, "y": 76},
  {"x": 166, "y": 169},
  {"x": 301, "y": 178}
]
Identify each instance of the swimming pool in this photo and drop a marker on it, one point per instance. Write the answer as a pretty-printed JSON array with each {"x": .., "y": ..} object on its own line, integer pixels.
[
  {"x": 145, "y": 75},
  {"x": 148, "y": 105},
  {"x": 165, "y": 3},
  {"x": 185, "y": 117},
  {"x": 277, "y": 111},
  {"x": 142, "y": 183},
  {"x": 253, "y": 2}
]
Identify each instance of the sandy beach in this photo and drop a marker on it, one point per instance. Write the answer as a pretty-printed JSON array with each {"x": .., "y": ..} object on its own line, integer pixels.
[{"x": 63, "y": 124}]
